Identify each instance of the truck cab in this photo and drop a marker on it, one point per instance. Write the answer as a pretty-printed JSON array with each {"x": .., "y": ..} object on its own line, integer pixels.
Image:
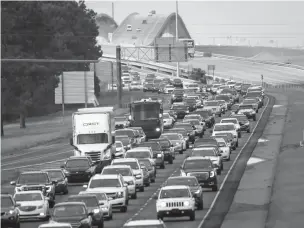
[{"x": 93, "y": 134}]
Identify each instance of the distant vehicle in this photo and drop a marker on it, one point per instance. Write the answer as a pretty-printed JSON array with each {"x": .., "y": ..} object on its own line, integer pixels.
[{"x": 129, "y": 27}]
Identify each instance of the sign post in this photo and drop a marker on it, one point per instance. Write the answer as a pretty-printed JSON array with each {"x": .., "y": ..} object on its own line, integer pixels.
[{"x": 262, "y": 78}]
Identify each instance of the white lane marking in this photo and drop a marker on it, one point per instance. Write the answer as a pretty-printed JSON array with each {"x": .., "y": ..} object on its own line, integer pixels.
[
  {"x": 231, "y": 167},
  {"x": 262, "y": 140},
  {"x": 277, "y": 106},
  {"x": 254, "y": 160},
  {"x": 33, "y": 158},
  {"x": 25, "y": 166}
]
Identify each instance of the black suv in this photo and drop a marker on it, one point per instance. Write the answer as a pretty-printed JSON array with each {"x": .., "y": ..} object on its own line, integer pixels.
[
  {"x": 92, "y": 205},
  {"x": 167, "y": 148},
  {"x": 207, "y": 116},
  {"x": 75, "y": 213},
  {"x": 176, "y": 82},
  {"x": 180, "y": 110},
  {"x": 194, "y": 186},
  {"x": 189, "y": 128},
  {"x": 203, "y": 169},
  {"x": 36, "y": 180},
  {"x": 79, "y": 168},
  {"x": 9, "y": 212},
  {"x": 158, "y": 154},
  {"x": 247, "y": 110},
  {"x": 177, "y": 95}
]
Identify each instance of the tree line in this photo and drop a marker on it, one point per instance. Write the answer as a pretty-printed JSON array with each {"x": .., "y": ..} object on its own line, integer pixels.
[{"x": 42, "y": 30}]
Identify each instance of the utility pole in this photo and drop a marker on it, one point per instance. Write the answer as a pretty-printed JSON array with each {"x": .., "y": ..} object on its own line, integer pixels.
[
  {"x": 113, "y": 10},
  {"x": 176, "y": 27},
  {"x": 118, "y": 67}
]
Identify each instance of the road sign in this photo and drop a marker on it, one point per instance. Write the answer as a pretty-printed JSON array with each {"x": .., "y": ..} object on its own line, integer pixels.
[
  {"x": 211, "y": 67},
  {"x": 167, "y": 49},
  {"x": 262, "y": 77},
  {"x": 75, "y": 87}
]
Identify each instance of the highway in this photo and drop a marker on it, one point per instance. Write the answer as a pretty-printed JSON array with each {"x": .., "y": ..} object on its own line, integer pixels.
[
  {"x": 144, "y": 206},
  {"x": 246, "y": 71}
]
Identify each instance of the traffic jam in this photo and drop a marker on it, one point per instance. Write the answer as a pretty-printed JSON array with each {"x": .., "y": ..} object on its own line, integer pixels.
[{"x": 116, "y": 159}]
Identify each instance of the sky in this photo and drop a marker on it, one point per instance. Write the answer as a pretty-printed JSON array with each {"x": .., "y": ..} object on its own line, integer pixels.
[{"x": 273, "y": 23}]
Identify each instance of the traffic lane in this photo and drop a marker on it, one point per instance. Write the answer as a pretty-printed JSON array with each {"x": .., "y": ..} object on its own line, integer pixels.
[
  {"x": 118, "y": 217},
  {"x": 149, "y": 211}
]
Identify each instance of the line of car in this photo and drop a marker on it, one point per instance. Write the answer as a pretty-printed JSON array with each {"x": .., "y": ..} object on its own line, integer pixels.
[{"x": 136, "y": 162}]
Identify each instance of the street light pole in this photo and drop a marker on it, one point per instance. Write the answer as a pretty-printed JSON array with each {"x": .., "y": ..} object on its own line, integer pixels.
[{"x": 176, "y": 28}]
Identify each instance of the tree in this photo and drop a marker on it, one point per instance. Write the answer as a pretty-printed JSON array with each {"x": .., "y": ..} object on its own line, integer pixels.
[{"x": 42, "y": 30}]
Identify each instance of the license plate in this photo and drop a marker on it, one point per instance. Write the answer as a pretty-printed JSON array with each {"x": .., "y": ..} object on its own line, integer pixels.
[{"x": 175, "y": 210}]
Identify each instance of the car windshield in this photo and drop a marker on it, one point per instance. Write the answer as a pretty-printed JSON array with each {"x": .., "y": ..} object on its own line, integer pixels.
[
  {"x": 191, "y": 117},
  {"x": 100, "y": 195},
  {"x": 166, "y": 116},
  {"x": 123, "y": 171},
  {"x": 153, "y": 145},
  {"x": 242, "y": 107},
  {"x": 225, "y": 98},
  {"x": 145, "y": 111},
  {"x": 197, "y": 164},
  {"x": 75, "y": 163},
  {"x": 242, "y": 119},
  {"x": 146, "y": 163},
  {"x": 190, "y": 101},
  {"x": 235, "y": 107},
  {"x": 125, "y": 140},
  {"x": 229, "y": 121},
  {"x": 28, "y": 197},
  {"x": 89, "y": 201},
  {"x": 138, "y": 154},
  {"x": 212, "y": 103},
  {"x": 92, "y": 138},
  {"x": 249, "y": 101},
  {"x": 253, "y": 94},
  {"x": 144, "y": 226},
  {"x": 133, "y": 165},
  {"x": 179, "y": 107},
  {"x": 69, "y": 211},
  {"x": 104, "y": 183},
  {"x": 118, "y": 144},
  {"x": 202, "y": 152},
  {"x": 164, "y": 144},
  {"x": 171, "y": 136},
  {"x": 225, "y": 127},
  {"x": 33, "y": 178},
  {"x": 182, "y": 181},
  {"x": 185, "y": 126},
  {"x": 183, "y": 132},
  {"x": 222, "y": 144},
  {"x": 6, "y": 201},
  {"x": 55, "y": 175},
  {"x": 129, "y": 133},
  {"x": 193, "y": 86},
  {"x": 193, "y": 122},
  {"x": 174, "y": 193},
  {"x": 205, "y": 115},
  {"x": 121, "y": 118}
]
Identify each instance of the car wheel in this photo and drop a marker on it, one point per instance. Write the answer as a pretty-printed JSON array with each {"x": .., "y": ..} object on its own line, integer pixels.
[
  {"x": 171, "y": 161},
  {"x": 181, "y": 152},
  {"x": 110, "y": 216},
  {"x": 237, "y": 143},
  {"x": 200, "y": 206},
  {"x": 162, "y": 166},
  {"x": 201, "y": 135},
  {"x": 147, "y": 184},
  {"x": 17, "y": 225},
  {"x": 66, "y": 191},
  {"x": 101, "y": 225},
  {"x": 220, "y": 115},
  {"x": 248, "y": 131},
  {"x": 218, "y": 172},
  {"x": 160, "y": 217},
  {"x": 239, "y": 135},
  {"x": 254, "y": 118},
  {"x": 134, "y": 196},
  {"x": 142, "y": 189},
  {"x": 192, "y": 216},
  {"x": 124, "y": 209},
  {"x": 153, "y": 180},
  {"x": 234, "y": 148},
  {"x": 214, "y": 188},
  {"x": 228, "y": 159}
]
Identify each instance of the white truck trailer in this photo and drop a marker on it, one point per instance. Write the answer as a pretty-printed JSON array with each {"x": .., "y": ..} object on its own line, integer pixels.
[{"x": 93, "y": 134}]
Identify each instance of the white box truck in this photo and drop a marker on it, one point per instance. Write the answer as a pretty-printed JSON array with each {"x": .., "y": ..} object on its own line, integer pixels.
[{"x": 93, "y": 134}]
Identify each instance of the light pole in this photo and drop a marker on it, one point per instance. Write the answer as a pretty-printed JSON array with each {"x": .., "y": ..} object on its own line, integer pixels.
[{"x": 176, "y": 34}]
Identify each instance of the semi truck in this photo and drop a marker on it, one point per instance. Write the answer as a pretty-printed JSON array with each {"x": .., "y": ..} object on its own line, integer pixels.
[
  {"x": 93, "y": 135},
  {"x": 148, "y": 114}
]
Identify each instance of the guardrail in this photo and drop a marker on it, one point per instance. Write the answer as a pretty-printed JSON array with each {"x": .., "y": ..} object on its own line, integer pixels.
[{"x": 253, "y": 60}]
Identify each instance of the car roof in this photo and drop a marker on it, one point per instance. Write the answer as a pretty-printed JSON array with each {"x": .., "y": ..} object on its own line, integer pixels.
[
  {"x": 229, "y": 119},
  {"x": 125, "y": 160},
  {"x": 26, "y": 192},
  {"x": 116, "y": 166},
  {"x": 101, "y": 176},
  {"x": 203, "y": 148},
  {"x": 175, "y": 187},
  {"x": 33, "y": 172},
  {"x": 91, "y": 192},
  {"x": 82, "y": 196},
  {"x": 197, "y": 158},
  {"x": 182, "y": 177},
  {"x": 140, "y": 148},
  {"x": 55, "y": 224},
  {"x": 79, "y": 157},
  {"x": 69, "y": 203},
  {"x": 143, "y": 223},
  {"x": 224, "y": 124}
]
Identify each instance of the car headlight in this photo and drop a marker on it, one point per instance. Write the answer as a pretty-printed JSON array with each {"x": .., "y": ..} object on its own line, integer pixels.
[
  {"x": 158, "y": 155},
  {"x": 48, "y": 188},
  {"x": 186, "y": 203},
  {"x": 119, "y": 194},
  {"x": 40, "y": 206},
  {"x": 212, "y": 174},
  {"x": 130, "y": 182},
  {"x": 163, "y": 204},
  {"x": 11, "y": 212},
  {"x": 96, "y": 211},
  {"x": 157, "y": 129},
  {"x": 104, "y": 208},
  {"x": 107, "y": 156},
  {"x": 197, "y": 192},
  {"x": 187, "y": 111}
]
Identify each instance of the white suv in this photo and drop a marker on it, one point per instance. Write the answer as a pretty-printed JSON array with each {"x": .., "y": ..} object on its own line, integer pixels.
[
  {"x": 136, "y": 168},
  {"x": 127, "y": 174},
  {"x": 114, "y": 187},
  {"x": 235, "y": 122},
  {"x": 226, "y": 128},
  {"x": 175, "y": 201}
]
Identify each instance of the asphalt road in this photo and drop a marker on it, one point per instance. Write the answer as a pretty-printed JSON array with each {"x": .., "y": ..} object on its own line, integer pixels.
[{"x": 144, "y": 206}]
